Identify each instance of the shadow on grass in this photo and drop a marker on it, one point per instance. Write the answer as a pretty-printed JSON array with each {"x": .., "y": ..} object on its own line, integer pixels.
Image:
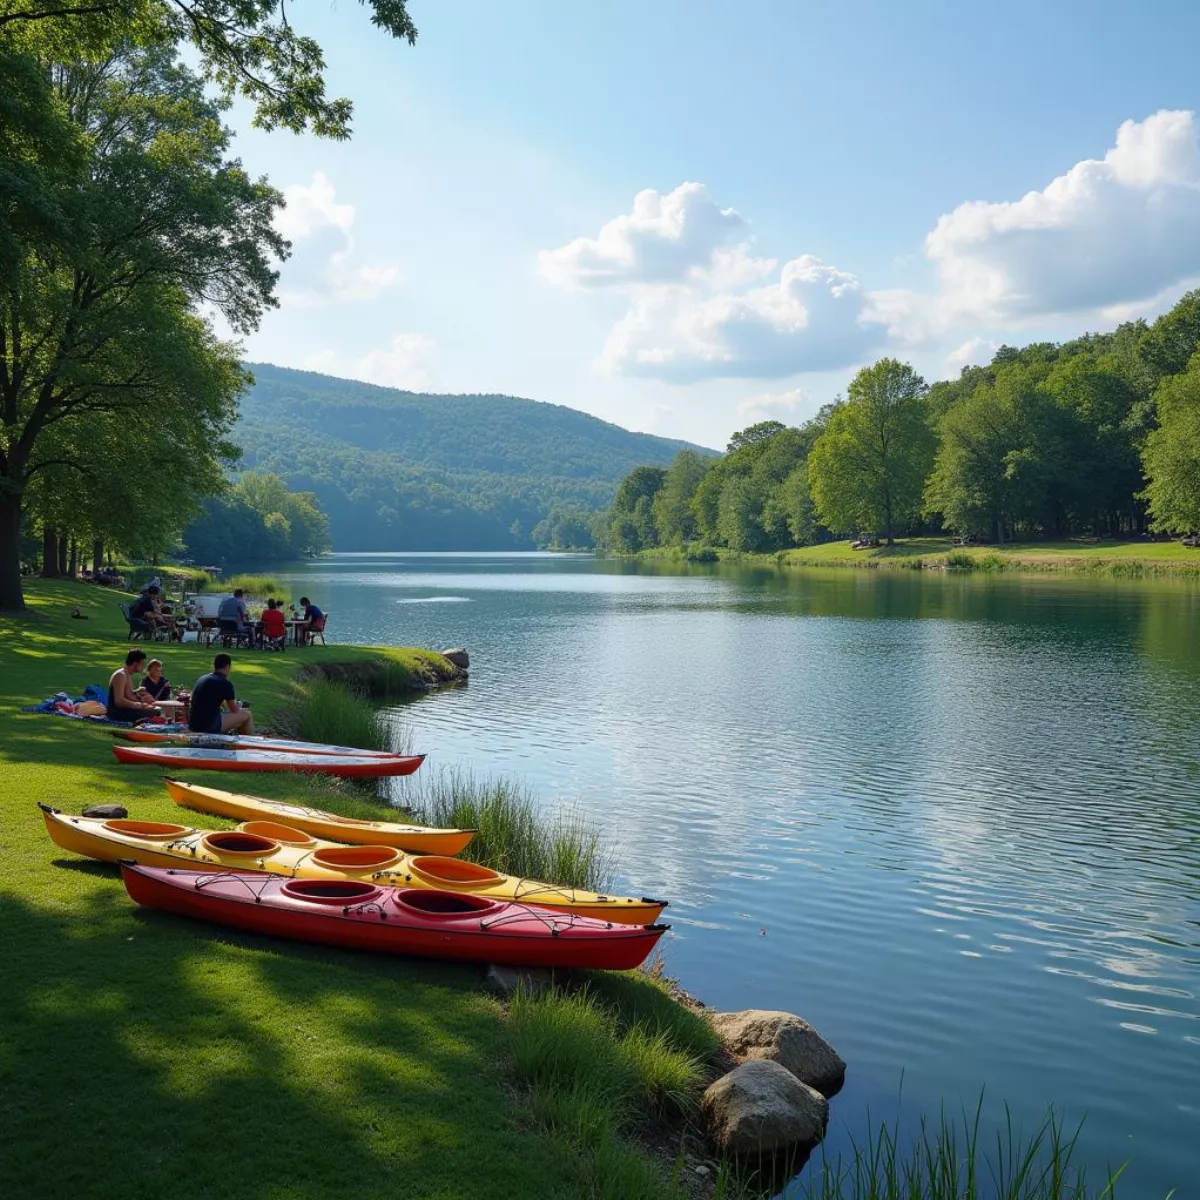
[{"x": 146, "y": 1054}]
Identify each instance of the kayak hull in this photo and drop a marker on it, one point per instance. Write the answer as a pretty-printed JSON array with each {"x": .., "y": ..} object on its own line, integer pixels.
[
  {"x": 186, "y": 739},
  {"x": 383, "y": 921},
  {"x": 163, "y": 844},
  {"x": 192, "y": 758},
  {"x": 319, "y": 823}
]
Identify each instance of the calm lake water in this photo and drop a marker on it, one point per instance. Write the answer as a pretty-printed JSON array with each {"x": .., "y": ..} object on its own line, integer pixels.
[{"x": 952, "y": 821}]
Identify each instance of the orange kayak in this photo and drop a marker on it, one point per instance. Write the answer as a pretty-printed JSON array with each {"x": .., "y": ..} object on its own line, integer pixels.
[{"x": 357, "y": 766}]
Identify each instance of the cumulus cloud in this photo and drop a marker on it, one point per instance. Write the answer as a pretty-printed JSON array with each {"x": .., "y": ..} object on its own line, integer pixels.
[
  {"x": 405, "y": 363},
  {"x": 1110, "y": 231},
  {"x": 974, "y": 352},
  {"x": 812, "y": 318},
  {"x": 771, "y": 406},
  {"x": 662, "y": 240},
  {"x": 322, "y": 269}
]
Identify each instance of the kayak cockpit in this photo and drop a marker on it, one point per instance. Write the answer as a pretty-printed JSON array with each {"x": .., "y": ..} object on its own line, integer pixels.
[
  {"x": 358, "y": 858},
  {"x": 453, "y": 872},
  {"x": 431, "y": 903},
  {"x": 331, "y": 891},
  {"x": 237, "y": 844},
  {"x": 156, "y": 831},
  {"x": 277, "y": 832}
]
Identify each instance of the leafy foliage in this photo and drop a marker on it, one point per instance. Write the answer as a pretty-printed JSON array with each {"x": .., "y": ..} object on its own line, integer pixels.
[
  {"x": 245, "y": 48},
  {"x": 259, "y": 520},
  {"x": 403, "y": 470},
  {"x": 116, "y": 398},
  {"x": 1095, "y": 436}
]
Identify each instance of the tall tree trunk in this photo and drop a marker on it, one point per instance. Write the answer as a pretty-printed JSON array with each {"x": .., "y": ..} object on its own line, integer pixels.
[
  {"x": 12, "y": 599},
  {"x": 62, "y": 554},
  {"x": 888, "y": 513},
  {"x": 49, "y": 552},
  {"x": 97, "y": 554},
  {"x": 73, "y": 567}
]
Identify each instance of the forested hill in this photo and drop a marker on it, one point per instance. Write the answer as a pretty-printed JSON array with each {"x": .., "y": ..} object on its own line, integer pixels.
[{"x": 412, "y": 471}]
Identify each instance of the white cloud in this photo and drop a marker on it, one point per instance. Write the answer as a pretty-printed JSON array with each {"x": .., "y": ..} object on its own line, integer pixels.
[
  {"x": 1110, "y": 231},
  {"x": 406, "y": 363},
  {"x": 813, "y": 318},
  {"x": 322, "y": 270},
  {"x": 974, "y": 352},
  {"x": 662, "y": 240},
  {"x": 771, "y": 406}
]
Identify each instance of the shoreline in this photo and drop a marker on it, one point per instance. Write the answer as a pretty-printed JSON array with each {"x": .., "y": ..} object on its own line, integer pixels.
[{"x": 1114, "y": 560}]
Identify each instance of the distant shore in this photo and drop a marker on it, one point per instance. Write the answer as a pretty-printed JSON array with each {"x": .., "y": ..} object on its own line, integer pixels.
[{"x": 1127, "y": 560}]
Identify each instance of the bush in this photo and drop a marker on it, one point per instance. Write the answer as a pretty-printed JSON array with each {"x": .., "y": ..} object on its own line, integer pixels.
[
  {"x": 514, "y": 836},
  {"x": 191, "y": 578},
  {"x": 702, "y": 554}
]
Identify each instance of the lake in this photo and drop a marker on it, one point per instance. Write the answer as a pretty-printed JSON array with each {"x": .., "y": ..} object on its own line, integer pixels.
[{"x": 953, "y": 821}]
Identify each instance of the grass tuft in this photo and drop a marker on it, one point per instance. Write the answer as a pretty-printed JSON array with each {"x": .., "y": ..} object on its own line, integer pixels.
[
  {"x": 329, "y": 712},
  {"x": 514, "y": 836},
  {"x": 257, "y": 587}
]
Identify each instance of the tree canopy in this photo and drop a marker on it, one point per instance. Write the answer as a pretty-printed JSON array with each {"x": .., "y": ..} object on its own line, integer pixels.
[
  {"x": 1097, "y": 436},
  {"x": 245, "y": 48},
  {"x": 106, "y": 369}
]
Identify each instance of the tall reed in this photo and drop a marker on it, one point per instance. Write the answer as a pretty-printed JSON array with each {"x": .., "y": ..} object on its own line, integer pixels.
[
  {"x": 514, "y": 836},
  {"x": 324, "y": 711}
]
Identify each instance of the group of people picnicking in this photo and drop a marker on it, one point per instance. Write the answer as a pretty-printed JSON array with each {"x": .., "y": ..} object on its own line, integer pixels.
[
  {"x": 270, "y": 627},
  {"x": 212, "y": 704}
]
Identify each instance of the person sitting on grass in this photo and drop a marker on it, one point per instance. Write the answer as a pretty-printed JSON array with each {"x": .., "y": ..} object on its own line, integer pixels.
[
  {"x": 212, "y": 692},
  {"x": 313, "y": 616},
  {"x": 123, "y": 703},
  {"x": 155, "y": 685}
]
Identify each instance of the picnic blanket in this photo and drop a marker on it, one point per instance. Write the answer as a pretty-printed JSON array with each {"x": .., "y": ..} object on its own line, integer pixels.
[{"x": 88, "y": 707}]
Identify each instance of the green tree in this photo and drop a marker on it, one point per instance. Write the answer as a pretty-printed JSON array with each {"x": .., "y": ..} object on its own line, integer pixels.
[
  {"x": 98, "y": 325},
  {"x": 244, "y": 47},
  {"x": 868, "y": 468},
  {"x": 674, "y": 517},
  {"x": 1172, "y": 454},
  {"x": 631, "y": 517},
  {"x": 738, "y": 515}
]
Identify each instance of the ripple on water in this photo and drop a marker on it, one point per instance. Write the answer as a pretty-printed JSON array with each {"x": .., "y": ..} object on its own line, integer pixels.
[{"x": 963, "y": 811}]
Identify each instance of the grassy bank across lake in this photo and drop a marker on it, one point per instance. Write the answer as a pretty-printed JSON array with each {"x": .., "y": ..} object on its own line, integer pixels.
[
  {"x": 1116, "y": 559},
  {"x": 143, "y": 1055}
]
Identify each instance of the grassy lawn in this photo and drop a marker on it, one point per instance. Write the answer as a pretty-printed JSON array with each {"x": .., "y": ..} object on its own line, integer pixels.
[
  {"x": 1106, "y": 557},
  {"x": 141, "y": 1054}
]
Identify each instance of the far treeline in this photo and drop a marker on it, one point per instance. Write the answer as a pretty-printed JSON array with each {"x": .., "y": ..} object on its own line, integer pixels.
[{"x": 1097, "y": 436}]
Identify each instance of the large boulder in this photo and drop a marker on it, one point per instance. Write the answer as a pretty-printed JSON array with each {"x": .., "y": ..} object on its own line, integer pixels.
[
  {"x": 460, "y": 658},
  {"x": 784, "y": 1038},
  {"x": 760, "y": 1109}
]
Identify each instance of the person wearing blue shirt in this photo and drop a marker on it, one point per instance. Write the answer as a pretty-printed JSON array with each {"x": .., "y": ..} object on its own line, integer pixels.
[
  {"x": 233, "y": 608},
  {"x": 213, "y": 693},
  {"x": 313, "y": 616}
]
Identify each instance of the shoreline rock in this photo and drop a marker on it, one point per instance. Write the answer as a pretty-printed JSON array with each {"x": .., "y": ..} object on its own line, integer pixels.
[
  {"x": 785, "y": 1038},
  {"x": 760, "y": 1109}
]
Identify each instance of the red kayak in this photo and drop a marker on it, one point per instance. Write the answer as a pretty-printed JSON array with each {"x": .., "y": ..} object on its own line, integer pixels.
[
  {"x": 350, "y": 766},
  {"x": 360, "y": 915}
]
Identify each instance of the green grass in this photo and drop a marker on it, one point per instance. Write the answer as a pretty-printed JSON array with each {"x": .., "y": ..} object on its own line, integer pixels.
[
  {"x": 143, "y": 1054},
  {"x": 514, "y": 836},
  {"x": 949, "y": 1159},
  {"x": 1117, "y": 559},
  {"x": 173, "y": 578},
  {"x": 259, "y": 588},
  {"x": 330, "y": 712},
  {"x": 593, "y": 1075}
]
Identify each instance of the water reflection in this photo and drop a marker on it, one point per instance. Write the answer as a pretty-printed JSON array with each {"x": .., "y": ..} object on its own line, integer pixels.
[{"x": 963, "y": 809}]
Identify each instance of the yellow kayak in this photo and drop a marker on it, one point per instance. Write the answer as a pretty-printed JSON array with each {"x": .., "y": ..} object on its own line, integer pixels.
[
  {"x": 317, "y": 822},
  {"x": 163, "y": 844}
]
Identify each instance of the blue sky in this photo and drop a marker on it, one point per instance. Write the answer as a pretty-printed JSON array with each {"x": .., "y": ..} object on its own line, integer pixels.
[{"x": 861, "y": 179}]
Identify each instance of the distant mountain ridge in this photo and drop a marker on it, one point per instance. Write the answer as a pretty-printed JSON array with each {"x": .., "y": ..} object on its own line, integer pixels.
[{"x": 419, "y": 471}]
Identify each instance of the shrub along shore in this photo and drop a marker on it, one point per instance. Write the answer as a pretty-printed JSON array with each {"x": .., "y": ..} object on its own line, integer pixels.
[
  {"x": 1126, "y": 560},
  {"x": 175, "y": 1052}
]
